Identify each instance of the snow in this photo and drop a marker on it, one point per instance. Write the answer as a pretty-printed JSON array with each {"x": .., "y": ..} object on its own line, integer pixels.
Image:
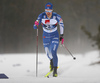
[{"x": 21, "y": 68}]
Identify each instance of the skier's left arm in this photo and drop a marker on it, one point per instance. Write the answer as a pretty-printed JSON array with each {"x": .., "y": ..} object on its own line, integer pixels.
[{"x": 61, "y": 25}]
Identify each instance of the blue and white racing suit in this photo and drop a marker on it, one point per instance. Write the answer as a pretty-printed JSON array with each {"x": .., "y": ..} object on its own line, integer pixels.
[{"x": 50, "y": 34}]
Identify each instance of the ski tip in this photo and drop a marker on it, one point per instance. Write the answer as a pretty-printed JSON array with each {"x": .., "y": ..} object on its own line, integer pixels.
[{"x": 47, "y": 76}]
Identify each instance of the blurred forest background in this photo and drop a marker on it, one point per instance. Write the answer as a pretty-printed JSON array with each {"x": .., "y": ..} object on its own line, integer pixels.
[{"x": 18, "y": 16}]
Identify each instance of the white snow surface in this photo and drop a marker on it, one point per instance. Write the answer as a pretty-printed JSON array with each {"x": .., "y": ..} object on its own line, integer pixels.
[{"x": 21, "y": 68}]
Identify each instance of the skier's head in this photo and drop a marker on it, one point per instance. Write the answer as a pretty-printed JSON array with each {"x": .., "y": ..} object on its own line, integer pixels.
[
  {"x": 49, "y": 9},
  {"x": 49, "y": 6}
]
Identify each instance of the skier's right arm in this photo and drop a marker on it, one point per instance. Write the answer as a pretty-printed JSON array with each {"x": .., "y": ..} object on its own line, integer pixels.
[{"x": 37, "y": 22}]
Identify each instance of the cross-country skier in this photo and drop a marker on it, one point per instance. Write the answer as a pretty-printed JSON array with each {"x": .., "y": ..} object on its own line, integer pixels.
[{"x": 49, "y": 21}]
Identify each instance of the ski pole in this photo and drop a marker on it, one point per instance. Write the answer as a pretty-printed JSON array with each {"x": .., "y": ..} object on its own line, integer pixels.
[
  {"x": 68, "y": 51},
  {"x": 37, "y": 55}
]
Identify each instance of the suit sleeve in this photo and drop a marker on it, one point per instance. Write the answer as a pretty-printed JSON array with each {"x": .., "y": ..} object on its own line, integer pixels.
[
  {"x": 61, "y": 24},
  {"x": 38, "y": 20}
]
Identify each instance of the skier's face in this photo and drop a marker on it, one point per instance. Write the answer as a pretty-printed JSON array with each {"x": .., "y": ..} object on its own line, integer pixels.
[{"x": 48, "y": 12}]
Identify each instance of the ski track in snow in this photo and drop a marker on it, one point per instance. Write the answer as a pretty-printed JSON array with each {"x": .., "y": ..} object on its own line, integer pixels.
[{"x": 21, "y": 68}]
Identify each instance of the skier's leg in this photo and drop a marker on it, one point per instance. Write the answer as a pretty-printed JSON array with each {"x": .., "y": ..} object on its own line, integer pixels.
[
  {"x": 48, "y": 53},
  {"x": 54, "y": 47},
  {"x": 47, "y": 47},
  {"x": 55, "y": 44}
]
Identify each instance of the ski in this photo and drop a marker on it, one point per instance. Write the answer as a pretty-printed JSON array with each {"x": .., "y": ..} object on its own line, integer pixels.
[{"x": 47, "y": 75}]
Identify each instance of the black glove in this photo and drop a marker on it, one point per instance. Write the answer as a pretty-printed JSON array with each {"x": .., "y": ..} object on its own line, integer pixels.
[{"x": 61, "y": 37}]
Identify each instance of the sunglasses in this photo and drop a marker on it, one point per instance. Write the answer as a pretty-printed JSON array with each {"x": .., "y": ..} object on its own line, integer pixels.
[{"x": 48, "y": 10}]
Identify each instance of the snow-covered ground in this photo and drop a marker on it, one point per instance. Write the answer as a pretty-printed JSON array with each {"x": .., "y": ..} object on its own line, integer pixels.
[{"x": 21, "y": 68}]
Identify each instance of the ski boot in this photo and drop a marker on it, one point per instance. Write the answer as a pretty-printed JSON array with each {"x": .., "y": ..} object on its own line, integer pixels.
[
  {"x": 55, "y": 72},
  {"x": 51, "y": 64}
]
